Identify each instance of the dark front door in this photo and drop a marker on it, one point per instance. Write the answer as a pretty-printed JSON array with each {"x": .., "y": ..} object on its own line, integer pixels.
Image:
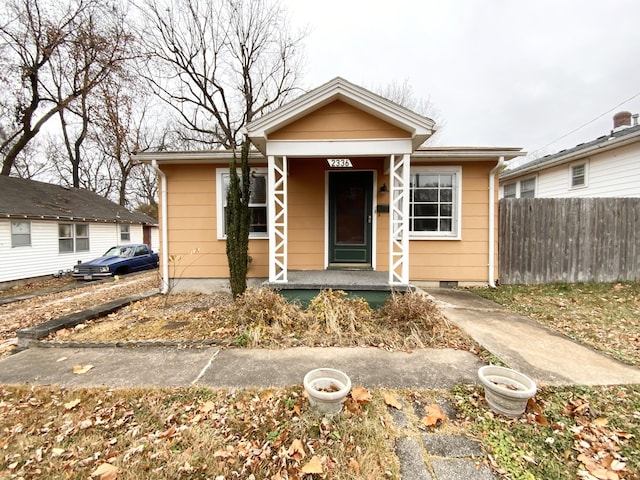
[{"x": 350, "y": 210}]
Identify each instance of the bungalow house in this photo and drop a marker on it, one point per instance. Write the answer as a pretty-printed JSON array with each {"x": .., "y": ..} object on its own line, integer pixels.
[
  {"x": 46, "y": 229},
  {"x": 608, "y": 166},
  {"x": 339, "y": 181}
]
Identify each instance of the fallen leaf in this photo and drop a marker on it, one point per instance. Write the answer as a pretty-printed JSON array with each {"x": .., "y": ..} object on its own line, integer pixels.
[
  {"x": 355, "y": 466},
  {"x": 56, "y": 452},
  {"x": 392, "y": 401},
  {"x": 361, "y": 394},
  {"x": 106, "y": 471},
  {"x": 433, "y": 414},
  {"x": 313, "y": 466},
  {"x": 601, "y": 421},
  {"x": 296, "y": 450},
  {"x": 80, "y": 369},
  {"x": 61, "y": 359},
  {"x": 72, "y": 404},
  {"x": 617, "y": 465}
]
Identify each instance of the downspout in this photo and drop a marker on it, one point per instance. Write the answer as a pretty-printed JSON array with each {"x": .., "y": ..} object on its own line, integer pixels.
[
  {"x": 492, "y": 220},
  {"x": 164, "y": 261}
]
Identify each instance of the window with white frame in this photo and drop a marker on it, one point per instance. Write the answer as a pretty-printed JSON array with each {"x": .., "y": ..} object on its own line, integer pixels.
[
  {"x": 435, "y": 202},
  {"x": 579, "y": 175},
  {"x": 20, "y": 233},
  {"x": 528, "y": 188},
  {"x": 125, "y": 232},
  {"x": 73, "y": 237},
  {"x": 257, "y": 202},
  {"x": 509, "y": 191}
]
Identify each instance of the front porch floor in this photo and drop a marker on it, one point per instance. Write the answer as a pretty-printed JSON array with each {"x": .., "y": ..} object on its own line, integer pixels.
[{"x": 350, "y": 280}]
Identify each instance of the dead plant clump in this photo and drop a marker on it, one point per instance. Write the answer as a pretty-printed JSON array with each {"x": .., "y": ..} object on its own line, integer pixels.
[{"x": 263, "y": 318}]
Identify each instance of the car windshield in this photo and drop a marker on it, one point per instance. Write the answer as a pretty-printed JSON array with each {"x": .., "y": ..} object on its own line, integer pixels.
[{"x": 119, "y": 252}]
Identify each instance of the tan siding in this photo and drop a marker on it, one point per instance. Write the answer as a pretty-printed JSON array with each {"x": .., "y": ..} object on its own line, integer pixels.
[
  {"x": 338, "y": 120},
  {"x": 464, "y": 260}
]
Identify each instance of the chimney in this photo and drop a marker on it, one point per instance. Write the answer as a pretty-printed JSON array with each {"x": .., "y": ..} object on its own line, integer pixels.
[{"x": 621, "y": 120}]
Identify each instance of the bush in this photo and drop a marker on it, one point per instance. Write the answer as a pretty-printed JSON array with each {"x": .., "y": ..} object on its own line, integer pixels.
[{"x": 338, "y": 312}]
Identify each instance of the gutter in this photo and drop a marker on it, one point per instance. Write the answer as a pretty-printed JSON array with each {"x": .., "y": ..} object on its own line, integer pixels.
[
  {"x": 164, "y": 260},
  {"x": 492, "y": 220}
]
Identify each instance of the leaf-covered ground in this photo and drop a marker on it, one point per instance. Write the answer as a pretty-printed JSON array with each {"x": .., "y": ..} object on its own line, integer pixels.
[
  {"x": 52, "y": 433},
  {"x": 33, "y": 311},
  {"x": 605, "y": 316}
]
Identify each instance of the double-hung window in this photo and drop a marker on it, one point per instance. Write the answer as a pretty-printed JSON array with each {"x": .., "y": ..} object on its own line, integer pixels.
[
  {"x": 528, "y": 188},
  {"x": 578, "y": 175},
  {"x": 509, "y": 191},
  {"x": 73, "y": 237},
  {"x": 20, "y": 233},
  {"x": 435, "y": 202},
  {"x": 257, "y": 202},
  {"x": 125, "y": 232}
]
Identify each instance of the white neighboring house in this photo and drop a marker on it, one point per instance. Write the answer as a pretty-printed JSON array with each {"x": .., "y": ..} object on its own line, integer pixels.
[
  {"x": 46, "y": 229},
  {"x": 608, "y": 166}
]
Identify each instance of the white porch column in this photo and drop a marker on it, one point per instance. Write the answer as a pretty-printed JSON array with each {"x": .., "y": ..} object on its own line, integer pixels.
[
  {"x": 399, "y": 178},
  {"x": 277, "y": 176}
]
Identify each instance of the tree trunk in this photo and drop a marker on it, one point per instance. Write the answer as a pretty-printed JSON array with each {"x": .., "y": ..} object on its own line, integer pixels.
[{"x": 238, "y": 221}]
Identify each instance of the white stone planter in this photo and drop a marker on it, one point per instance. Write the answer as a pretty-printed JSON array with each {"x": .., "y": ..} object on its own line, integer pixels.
[
  {"x": 327, "y": 388},
  {"x": 506, "y": 390}
]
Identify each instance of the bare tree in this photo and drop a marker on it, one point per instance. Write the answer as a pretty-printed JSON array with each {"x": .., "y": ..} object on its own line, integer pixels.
[
  {"x": 56, "y": 52},
  {"x": 403, "y": 94},
  {"x": 220, "y": 64}
]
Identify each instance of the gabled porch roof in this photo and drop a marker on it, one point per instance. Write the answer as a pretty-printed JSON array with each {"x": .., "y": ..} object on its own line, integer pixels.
[{"x": 418, "y": 127}]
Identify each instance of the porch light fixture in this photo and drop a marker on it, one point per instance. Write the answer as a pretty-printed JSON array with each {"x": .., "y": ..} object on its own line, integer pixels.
[{"x": 383, "y": 188}]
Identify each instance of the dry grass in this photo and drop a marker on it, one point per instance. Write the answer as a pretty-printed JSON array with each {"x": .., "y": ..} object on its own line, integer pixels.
[{"x": 263, "y": 318}]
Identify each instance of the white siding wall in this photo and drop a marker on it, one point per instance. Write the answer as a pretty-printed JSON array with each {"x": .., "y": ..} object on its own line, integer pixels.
[
  {"x": 43, "y": 257},
  {"x": 610, "y": 174}
]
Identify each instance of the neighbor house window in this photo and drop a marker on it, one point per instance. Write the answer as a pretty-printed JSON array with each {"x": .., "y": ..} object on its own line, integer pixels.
[
  {"x": 528, "y": 188},
  {"x": 509, "y": 191},
  {"x": 20, "y": 233},
  {"x": 125, "y": 233},
  {"x": 73, "y": 237},
  {"x": 578, "y": 175},
  {"x": 257, "y": 202},
  {"x": 435, "y": 202}
]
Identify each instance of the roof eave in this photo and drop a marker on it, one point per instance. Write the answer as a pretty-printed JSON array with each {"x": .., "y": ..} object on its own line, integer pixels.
[{"x": 572, "y": 156}]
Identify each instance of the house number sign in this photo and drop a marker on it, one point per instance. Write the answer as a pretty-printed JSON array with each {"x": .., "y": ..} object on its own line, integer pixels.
[{"x": 339, "y": 163}]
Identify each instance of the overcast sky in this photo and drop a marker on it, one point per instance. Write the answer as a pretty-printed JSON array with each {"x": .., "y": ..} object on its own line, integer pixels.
[{"x": 500, "y": 72}]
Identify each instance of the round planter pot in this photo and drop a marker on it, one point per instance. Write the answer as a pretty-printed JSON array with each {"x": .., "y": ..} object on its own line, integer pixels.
[
  {"x": 506, "y": 390},
  {"x": 327, "y": 388}
]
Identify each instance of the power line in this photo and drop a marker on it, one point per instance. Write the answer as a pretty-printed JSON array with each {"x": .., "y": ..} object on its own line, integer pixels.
[{"x": 587, "y": 123}]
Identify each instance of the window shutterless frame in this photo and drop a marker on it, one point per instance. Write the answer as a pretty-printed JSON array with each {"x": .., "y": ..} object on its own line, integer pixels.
[{"x": 258, "y": 196}]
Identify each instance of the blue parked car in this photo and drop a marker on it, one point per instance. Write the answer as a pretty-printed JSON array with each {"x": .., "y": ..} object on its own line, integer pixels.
[{"x": 117, "y": 261}]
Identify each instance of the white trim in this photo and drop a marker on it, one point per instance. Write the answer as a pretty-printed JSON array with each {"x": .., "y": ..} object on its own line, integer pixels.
[
  {"x": 492, "y": 220},
  {"x": 342, "y": 148},
  {"x": 221, "y": 199},
  {"x": 399, "y": 178},
  {"x": 277, "y": 219},
  {"x": 457, "y": 203},
  {"x": 164, "y": 286}
]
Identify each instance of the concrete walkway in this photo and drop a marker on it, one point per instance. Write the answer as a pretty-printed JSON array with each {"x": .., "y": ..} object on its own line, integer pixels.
[{"x": 527, "y": 346}]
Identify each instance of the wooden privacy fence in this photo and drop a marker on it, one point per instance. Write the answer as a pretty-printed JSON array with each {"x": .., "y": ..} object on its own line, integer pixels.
[{"x": 544, "y": 240}]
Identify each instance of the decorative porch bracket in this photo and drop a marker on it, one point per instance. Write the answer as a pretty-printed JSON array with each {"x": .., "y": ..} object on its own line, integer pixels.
[
  {"x": 399, "y": 174},
  {"x": 277, "y": 177}
]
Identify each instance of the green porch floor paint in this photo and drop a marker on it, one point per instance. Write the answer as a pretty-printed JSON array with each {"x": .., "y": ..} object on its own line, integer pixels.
[{"x": 374, "y": 298}]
